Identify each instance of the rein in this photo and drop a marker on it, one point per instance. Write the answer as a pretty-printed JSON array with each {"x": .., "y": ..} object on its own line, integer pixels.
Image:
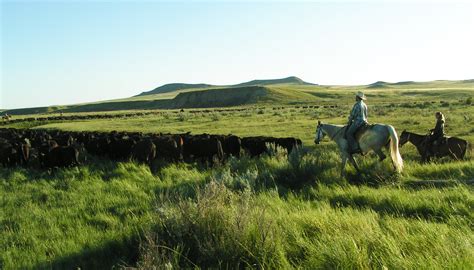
[{"x": 335, "y": 134}]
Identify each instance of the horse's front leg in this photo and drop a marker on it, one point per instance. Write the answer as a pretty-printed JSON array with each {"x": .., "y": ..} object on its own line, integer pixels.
[
  {"x": 343, "y": 165},
  {"x": 354, "y": 163},
  {"x": 425, "y": 158}
]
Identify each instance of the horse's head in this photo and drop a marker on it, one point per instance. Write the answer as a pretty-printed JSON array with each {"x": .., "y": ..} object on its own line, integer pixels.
[
  {"x": 319, "y": 133},
  {"x": 404, "y": 138}
]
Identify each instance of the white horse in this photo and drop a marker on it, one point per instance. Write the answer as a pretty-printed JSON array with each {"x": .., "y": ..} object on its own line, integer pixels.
[{"x": 374, "y": 138}]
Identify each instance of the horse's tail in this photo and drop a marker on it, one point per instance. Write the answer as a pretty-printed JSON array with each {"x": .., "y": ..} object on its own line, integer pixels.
[{"x": 394, "y": 152}]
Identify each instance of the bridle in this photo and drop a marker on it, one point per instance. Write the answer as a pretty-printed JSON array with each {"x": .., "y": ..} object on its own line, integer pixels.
[
  {"x": 320, "y": 132},
  {"x": 408, "y": 138}
]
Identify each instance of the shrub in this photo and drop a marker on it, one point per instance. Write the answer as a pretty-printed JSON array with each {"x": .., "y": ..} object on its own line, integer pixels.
[
  {"x": 220, "y": 229},
  {"x": 215, "y": 117},
  {"x": 182, "y": 117}
]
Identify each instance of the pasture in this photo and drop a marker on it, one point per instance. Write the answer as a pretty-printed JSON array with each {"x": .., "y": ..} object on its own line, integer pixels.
[{"x": 276, "y": 211}]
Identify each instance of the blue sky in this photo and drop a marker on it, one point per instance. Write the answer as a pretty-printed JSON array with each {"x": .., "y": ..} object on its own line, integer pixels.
[{"x": 57, "y": 52}]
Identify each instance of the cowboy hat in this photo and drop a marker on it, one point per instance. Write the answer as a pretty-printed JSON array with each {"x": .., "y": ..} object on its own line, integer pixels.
[{"x": 361, "y": 95}]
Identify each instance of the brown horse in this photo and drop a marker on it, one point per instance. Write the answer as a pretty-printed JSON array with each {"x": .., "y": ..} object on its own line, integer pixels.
[{"x": 453, "y": 147}]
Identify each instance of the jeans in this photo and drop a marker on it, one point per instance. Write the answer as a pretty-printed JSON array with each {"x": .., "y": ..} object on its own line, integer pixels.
[{"x": 350, "y": 134}]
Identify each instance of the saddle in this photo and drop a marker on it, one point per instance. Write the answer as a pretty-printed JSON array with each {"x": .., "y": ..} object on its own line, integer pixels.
[
  {"x": 441, "y": 141},
  {"x": 361, "y": 130}
]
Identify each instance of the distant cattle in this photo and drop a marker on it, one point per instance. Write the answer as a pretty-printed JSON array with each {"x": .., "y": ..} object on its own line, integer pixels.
[{"x": 50, "y": 149}]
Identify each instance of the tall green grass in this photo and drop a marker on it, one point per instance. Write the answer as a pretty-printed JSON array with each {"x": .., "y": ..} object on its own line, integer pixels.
[
  {"x": 226, "y": 229},
  {"x": 277, "y": 211}
]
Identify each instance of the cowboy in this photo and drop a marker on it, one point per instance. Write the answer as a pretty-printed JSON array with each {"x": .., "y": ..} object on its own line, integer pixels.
[
  {"x": 435, "y": 133},
  {"x": 357, "y": 119}
]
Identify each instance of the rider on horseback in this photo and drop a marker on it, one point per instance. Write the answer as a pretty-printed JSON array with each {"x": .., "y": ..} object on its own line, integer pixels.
[
  {"x": 357, "y": 119},
  {"x": 435, "y": 134}
]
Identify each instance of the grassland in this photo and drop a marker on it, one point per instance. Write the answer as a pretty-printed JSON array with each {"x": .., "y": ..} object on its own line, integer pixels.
[
  {"x": 276, "y": 211},
  {"x": 268, "y": 93}
]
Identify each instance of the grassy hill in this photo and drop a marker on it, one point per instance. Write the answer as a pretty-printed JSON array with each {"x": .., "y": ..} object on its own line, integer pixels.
[
  {"x": 171, "y": 87},
  {"x": 287, "y": 91},
  {"x": 288, "y": 80}
]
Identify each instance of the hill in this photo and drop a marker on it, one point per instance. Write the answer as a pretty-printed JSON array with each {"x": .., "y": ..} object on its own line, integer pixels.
[
  {"x": 288, "y": 80},
  {"x": 174, "y": 87},
  {"x": 287, "y": 91},
  {"x": 223, "y": 97},
  {"x": 378, "y": 84}
]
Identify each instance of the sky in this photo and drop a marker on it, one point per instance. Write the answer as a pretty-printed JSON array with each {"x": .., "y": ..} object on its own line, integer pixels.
[{"x": 67, "y": 52}]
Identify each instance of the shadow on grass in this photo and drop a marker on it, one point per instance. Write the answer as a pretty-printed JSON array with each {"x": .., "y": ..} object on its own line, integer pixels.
[
  {"x": 109, "y": 255},
  {"x": 425, "y": 184},
  {"x": 389, "y": 208}
]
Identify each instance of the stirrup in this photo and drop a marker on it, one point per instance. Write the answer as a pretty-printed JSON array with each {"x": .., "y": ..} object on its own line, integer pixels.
[{"x": 356, "y": 151}]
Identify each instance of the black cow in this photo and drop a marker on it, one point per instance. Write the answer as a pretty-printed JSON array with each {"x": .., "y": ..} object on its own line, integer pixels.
[
  {"x": 202, "y": 147},
  {"x": 14, "y": 153},
  {"x": 8, "y": 153},
  {"x": 144, "y": 151},
  {"x": 288, "y": 143},
  {"x": 255, "y": 146},
  {"x": 60, "y": 156},
  {"x": 231, "y": 144},
  {"x": 167, "y": 147},
  {"x": 120, "y": 148},
  {"x": 64, "y": 139},
  {"x": 97, "y": 144}
]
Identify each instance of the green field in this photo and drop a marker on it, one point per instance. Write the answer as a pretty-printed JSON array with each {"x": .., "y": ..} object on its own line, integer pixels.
[{"x": 276, "y": 211}]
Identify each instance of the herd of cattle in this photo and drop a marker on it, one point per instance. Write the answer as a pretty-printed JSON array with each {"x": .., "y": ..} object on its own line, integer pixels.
[{"x": 50, "y": 149}]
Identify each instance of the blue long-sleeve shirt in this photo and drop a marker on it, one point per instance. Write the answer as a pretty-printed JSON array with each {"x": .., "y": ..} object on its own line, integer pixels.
[{"x": 358, "y": 113}]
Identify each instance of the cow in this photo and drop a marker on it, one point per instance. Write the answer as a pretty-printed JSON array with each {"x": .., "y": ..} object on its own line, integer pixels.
[
  {"x": 8, "y": 153},
  {"x": 120, "y": 148},
  {"x": 59, "y": 156},
  {"x": 144, "y": 151},
  {"x": 97, "y": 144},
  {"x": 64, "y": 139},
  {"x": 15, "y": 152},
  {"x": 255, "y": 146},
  {"x": 288, "y": 143},
  {"x": 202, "y": 147},
  {"x": 169, "y": 147},
  {"x": 231, "y": 144}
]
